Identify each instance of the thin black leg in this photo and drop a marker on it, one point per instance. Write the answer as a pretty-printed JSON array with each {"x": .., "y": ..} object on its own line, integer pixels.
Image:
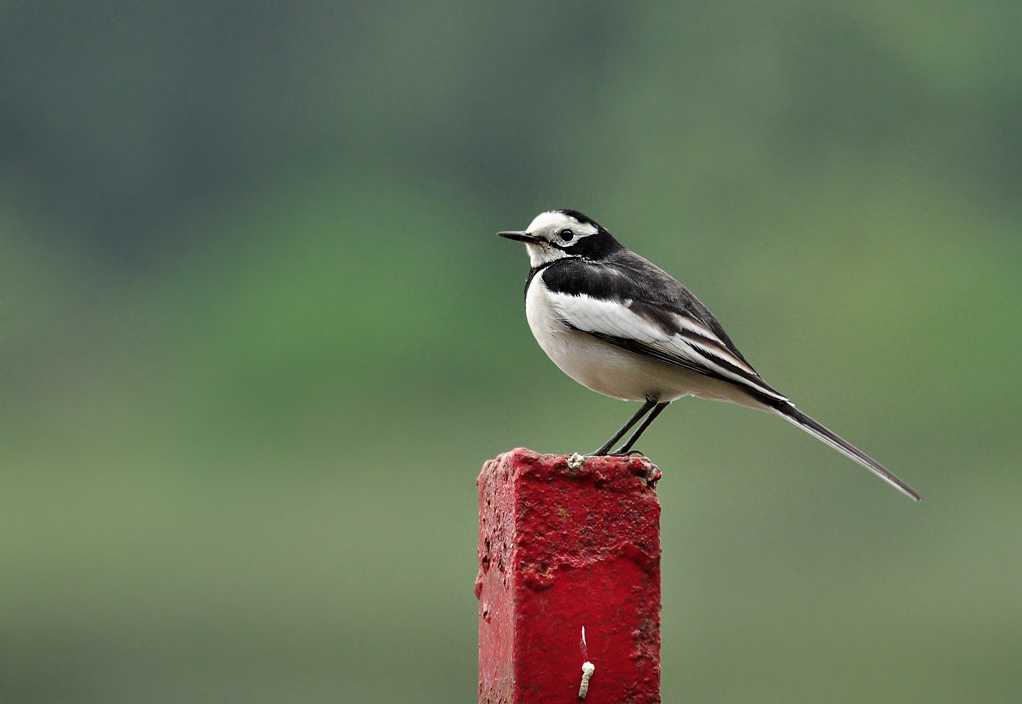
[
  {"x": 627, "y": 426},
  {"x": 642, "y": 428}
]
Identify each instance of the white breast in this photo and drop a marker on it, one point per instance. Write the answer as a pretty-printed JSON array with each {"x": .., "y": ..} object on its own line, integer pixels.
[{"x": 611, "y": 370}]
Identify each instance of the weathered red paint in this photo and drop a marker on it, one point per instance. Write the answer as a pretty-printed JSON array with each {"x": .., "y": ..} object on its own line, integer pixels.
[{"x": 559, "y": 549}]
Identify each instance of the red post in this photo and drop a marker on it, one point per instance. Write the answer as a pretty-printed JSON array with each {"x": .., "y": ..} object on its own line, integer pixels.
[{"x": 564, "y": 545}]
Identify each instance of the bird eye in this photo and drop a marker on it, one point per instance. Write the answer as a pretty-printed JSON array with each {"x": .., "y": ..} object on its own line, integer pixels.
[{"x": 566, "y": 235}]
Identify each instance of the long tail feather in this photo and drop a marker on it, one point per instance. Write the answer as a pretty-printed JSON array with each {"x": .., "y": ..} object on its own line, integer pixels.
[{"x": 791, "y": 414}]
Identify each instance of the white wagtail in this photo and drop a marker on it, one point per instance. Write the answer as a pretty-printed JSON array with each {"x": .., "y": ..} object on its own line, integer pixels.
[{"x": 620, "y": 325}]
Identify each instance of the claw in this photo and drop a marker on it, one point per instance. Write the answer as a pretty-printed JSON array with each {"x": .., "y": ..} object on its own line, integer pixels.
[{"x": 618, "y": 453}]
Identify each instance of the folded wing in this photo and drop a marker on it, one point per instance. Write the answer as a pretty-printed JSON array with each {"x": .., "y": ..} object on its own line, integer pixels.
[{"x": 659, "y": 333}]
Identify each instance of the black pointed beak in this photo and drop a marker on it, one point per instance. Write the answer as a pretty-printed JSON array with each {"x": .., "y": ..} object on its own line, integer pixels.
[{"x": 518, "y": 236}]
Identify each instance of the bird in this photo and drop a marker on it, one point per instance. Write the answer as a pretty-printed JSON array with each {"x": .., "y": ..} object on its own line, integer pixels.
[{"x": 622, "y": 326}]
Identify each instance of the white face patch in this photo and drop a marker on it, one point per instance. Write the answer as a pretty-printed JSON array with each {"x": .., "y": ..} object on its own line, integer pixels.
[
  {"x": 548, "y": 227},
  {"x": 541, "y": 253},
  {"x": 548, "y": 224}
]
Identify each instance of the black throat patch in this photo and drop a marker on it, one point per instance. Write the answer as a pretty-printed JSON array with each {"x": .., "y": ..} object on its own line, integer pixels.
[{"x": 535, "y": 270}]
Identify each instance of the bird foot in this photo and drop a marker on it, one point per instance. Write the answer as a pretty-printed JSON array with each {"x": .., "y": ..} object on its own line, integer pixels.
[{"x": 618, "y": 453}]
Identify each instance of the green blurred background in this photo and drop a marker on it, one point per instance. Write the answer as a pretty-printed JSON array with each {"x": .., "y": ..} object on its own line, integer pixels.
[{"x": 257, "y": 336}]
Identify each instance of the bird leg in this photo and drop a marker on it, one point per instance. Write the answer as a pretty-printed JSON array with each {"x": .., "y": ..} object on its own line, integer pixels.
[
  {"x": 627, "y": 426},
  {"x": 624, "y": 449}
]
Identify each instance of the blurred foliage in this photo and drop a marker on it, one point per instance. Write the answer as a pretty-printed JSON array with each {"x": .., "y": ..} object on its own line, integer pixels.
[{"x": 257, "y": 336}]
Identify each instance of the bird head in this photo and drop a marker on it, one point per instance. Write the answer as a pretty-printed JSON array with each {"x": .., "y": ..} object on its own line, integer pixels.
[{"x": 557, "y": 234}]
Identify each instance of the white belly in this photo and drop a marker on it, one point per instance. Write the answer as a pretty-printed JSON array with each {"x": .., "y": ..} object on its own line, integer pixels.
[{"x": 615, "y": 372}]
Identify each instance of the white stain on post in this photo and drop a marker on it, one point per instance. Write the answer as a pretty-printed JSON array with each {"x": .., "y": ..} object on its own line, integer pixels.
[{"x": 587, "y": 669}]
